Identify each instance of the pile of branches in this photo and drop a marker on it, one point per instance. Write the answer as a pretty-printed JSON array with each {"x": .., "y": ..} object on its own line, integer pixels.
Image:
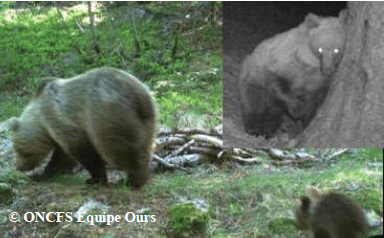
[{"x": 181, "y": 148}]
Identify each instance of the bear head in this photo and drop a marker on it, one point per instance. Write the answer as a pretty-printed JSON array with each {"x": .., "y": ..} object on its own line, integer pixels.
[
  {"x": 302, "y": 214},
  {"x": 29, "y": 143},
  {"x": 326, "y": 41}
]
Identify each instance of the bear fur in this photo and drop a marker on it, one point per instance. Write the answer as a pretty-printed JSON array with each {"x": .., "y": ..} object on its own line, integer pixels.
[
  {"x": 103, "y": 116},
  {"x": 331, "y": 216},
  {"x": 288, "y": 76}
]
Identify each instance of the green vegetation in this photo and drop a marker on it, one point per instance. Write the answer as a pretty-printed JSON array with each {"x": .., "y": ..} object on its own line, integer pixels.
[
  {"x": 187, "y": 220},
  {"x": 175, "y": 48},
  {"x": 248, "y": 201},
  {"x": 7, "y": 194}
]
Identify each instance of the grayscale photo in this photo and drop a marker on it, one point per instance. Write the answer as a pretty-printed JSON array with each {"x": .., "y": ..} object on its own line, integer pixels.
[{"x": 303, "y": 74}]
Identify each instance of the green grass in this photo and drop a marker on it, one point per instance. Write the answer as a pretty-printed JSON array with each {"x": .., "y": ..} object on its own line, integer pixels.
[
  {"x": 243, "y": 201},
  {"x": 179, "y": 58},
  {"x": 248, "y": 201}
]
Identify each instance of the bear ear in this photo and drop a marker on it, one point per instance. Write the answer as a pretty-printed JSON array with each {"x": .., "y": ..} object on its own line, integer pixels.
[
  {"x": 343, "y": 15},
  {"x": 314, "y": 194},
  {"x": 305, "y": 202},
  {"x": 14, "y": 124},
  {"x": 312, "y": 21},
  {"x": 42, "y": 85}
]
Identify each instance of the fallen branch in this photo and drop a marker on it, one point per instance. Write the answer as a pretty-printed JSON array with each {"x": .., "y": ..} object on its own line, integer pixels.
[
  {"x": 189, "y": 131},
  {"x": 208, "y": 139},
  {"x": 182, "y": 147},
  {"x": 246, "y": 161},
  {"x": 337, "y": 153},
  {"x": 168, "y": 165}
]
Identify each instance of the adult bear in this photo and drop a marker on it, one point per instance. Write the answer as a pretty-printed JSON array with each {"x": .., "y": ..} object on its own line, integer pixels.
[
  {"x": 288, "y": 75},
  {"x": 103, "y": 116}
]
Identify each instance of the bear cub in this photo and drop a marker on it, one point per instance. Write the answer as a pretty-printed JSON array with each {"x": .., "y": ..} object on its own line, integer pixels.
[
  {"x": 102, "y": 116},
  {"x": 286, "y": 78},
  {"x": 331, "y": 216}
]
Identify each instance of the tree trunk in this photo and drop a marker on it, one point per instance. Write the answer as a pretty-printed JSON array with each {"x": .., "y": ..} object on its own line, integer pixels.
[{"x": 353, "y": 113}]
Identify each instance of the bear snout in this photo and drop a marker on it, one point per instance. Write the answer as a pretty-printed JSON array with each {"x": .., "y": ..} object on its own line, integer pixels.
[
  {"x": 328, "y": 71},
  {"x": 26, "y": 166},
  {"x": 329, "y": 64}
]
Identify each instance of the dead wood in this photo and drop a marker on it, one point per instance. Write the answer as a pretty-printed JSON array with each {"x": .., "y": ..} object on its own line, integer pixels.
[{"x": 179, "y": 148}]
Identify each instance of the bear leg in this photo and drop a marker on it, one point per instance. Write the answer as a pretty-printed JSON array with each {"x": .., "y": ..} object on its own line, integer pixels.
[
  {"x": 92, "y": 162},
  {"x": 264, "y": 115},
  {"x": 133, "y": 158},
  {"x": 59, "y": 163},
  {"x": 320, "y": 233},
  {"x": 313, "y": 102},
  {"x": 265, "y": 124},
  {"x": 138, "y": 167}
]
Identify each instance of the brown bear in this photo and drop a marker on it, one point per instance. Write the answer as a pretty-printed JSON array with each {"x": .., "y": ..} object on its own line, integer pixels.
[
  {"x": 288, "y": 75},
  {"x": 331, "y": 216},
  {"x": 102, "y": 116}
]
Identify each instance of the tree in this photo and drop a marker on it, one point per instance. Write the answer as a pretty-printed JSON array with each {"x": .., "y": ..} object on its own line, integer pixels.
[{"x": 353, "y": 113}]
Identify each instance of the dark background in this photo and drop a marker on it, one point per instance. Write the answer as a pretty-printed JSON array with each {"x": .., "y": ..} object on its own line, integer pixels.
[{"x": 246, "y": 24}]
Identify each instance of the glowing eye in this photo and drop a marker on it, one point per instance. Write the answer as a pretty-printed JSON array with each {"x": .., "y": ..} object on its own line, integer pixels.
[
  {"x": 320, "y": 50},
  {"x": 336, "y": 51}
]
